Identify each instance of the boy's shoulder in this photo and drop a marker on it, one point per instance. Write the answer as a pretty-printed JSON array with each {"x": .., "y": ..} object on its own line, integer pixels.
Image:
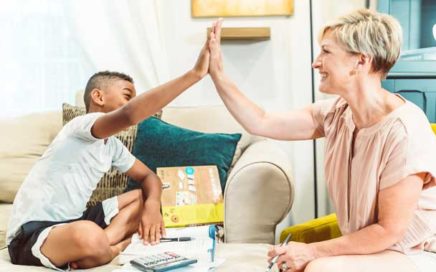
[{"x": 81, "y": 125}]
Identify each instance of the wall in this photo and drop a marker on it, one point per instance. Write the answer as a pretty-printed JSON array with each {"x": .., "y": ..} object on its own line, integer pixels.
[{"x": 276, "y": 74}]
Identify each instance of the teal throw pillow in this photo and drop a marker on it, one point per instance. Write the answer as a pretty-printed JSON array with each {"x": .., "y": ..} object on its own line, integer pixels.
[{"x": 159, "y": 144}]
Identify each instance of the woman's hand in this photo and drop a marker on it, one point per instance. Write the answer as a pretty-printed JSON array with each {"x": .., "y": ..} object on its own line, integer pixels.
[
  {"x": 151, "y": 226},
  {"x": 216, "y": 62},
  {"x": 201, "y": 67},
  {"x": 295, "y": 255}
]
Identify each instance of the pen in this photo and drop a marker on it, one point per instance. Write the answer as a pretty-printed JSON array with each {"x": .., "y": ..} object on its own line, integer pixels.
[
  {"x": 212, "y": 235},
  {"x": 274, "y": 260},
  {"x": 175, "y": 239}
]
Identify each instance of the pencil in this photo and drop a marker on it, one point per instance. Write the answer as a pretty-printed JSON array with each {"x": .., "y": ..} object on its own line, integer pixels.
[{"x": 274, "y": 260}]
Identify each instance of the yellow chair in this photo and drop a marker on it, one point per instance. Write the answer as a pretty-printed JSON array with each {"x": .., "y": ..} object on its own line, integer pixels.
[{"x": 319, "y": 229}]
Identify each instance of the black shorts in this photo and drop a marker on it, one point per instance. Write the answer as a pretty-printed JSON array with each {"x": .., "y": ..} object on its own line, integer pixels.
[{"x": 20, "y": 248}]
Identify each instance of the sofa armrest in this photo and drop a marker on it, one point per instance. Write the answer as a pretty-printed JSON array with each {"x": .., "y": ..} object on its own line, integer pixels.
[{"x": 259, "y": 194}]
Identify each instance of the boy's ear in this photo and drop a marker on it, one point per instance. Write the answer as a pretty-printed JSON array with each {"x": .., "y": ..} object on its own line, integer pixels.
[{"x": 97, "y": 97}]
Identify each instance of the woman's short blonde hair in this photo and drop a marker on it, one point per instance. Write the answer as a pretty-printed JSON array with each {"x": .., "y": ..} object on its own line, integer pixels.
[{"x": 374, "y": 34}]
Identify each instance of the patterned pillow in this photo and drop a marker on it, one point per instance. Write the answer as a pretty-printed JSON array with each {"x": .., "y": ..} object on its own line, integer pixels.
[{"x": 113, "y": 182}]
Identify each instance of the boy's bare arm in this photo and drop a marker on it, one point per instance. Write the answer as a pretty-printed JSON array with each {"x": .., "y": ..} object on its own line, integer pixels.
[
  {"x": 151, "y": 227},
  {"x": 150, "y": 182},
  {"x": 150, "y": 102}
]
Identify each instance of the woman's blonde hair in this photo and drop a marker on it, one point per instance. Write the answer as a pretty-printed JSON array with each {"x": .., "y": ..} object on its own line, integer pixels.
[{"x": 367, "y": 32}]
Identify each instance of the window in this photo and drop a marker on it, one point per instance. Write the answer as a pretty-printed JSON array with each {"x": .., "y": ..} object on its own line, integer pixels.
[{"x": 42, "y": 64}]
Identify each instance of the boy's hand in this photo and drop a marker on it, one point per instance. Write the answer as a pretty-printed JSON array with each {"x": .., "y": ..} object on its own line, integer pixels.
[
  {"x": 201, "y": 67},
  {"x": 151, "y": 226}
]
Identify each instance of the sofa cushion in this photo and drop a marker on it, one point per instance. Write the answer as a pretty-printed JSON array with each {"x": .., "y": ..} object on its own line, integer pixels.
[
  {"x": 69, "y": 112},
  {"x": 238, "y": 257},
  {"x": 22, "y": 141},
  {"x": 160, "y": 144},
  {"x": 6, "y": 265},
  {"x": 5, "y": 213},
  {"x": 210, "y": 119}
]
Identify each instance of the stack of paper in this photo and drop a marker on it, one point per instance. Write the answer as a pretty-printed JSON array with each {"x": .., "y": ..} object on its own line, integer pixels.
[{"x": 197, "y": 248}]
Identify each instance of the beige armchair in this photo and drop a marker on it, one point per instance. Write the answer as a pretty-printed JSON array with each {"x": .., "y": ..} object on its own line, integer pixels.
[{"x": 259, "y": 191}]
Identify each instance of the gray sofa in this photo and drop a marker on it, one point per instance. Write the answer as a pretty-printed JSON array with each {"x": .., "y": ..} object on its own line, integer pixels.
[{"x": 258, "y": 194}]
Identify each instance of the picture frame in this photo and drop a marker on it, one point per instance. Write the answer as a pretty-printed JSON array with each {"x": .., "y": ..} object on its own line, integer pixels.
[{"x": 241, "y": 8}]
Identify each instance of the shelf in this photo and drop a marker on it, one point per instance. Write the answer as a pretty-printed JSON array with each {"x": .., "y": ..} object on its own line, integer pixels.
[{"x": 244, "y": 33}]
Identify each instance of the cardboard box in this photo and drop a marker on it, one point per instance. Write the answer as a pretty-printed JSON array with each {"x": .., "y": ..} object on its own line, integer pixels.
[{"x": 191, "y": 195}]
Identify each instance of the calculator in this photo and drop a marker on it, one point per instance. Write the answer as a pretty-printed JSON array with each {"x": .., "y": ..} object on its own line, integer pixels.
[{"x": 161, "y": 262}]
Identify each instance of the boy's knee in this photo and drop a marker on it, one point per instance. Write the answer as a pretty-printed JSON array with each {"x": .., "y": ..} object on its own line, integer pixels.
[{"x": 90, "y": 239}]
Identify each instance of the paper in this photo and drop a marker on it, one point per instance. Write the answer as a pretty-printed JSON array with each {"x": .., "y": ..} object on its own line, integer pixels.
[
  {"x": 198, "y": 267},
  {"x": 198, "y": 249}
]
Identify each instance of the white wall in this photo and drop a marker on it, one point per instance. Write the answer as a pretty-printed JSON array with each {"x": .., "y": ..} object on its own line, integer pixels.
[{"x": 275, "y": 74}]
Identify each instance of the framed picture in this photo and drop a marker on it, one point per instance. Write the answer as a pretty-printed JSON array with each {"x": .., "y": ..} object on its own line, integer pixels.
[{"x": 238, "y": 8}]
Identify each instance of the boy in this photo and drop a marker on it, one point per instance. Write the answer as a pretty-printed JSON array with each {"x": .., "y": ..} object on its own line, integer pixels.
[{"x": 50, "y": 224}]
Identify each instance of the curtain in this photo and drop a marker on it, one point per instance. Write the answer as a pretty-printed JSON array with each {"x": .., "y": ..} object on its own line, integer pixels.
[
  {"x": 50, "y": 48},
  {"x": 123, "y": 36},
  {"x": 41, "y": 62}
]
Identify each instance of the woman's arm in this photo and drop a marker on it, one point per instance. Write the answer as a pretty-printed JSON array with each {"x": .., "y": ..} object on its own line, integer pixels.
[
  {"x": 396, "y": 208},
  {"x": 294, "y": 125}
]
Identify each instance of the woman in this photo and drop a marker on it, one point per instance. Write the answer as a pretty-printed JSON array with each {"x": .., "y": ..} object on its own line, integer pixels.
[{"x": 380, "y": 151}]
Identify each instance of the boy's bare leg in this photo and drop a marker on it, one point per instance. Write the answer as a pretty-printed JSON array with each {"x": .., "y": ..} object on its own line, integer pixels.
[
  {"x": 76, "y": 241},
  {"x": 126, "y": 222},
  {"x": 84, "y": 244},
  {"x": 90, "y": 261},
  {"x": 121, "y": 227}
]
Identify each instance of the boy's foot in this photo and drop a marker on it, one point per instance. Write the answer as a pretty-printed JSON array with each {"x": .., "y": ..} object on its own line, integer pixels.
[{"x": 116, "y": 249}]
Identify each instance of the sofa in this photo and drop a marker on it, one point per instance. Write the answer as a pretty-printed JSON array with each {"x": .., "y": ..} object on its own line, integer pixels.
[{"x": 259, "y": 192}]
